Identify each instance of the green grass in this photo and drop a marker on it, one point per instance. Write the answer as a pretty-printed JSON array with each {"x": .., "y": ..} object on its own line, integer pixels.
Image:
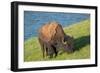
[{"x": 81, "y": 33}]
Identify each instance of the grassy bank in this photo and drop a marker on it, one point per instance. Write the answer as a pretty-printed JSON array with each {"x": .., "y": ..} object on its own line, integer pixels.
[{"x": 81, "y": 33}]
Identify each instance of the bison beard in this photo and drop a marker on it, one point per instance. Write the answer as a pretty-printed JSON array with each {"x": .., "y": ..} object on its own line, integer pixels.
[{"x": 52, "y": 37}]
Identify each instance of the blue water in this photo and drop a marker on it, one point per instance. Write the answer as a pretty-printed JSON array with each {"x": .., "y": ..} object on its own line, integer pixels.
[{"x": 33, "y": 20}]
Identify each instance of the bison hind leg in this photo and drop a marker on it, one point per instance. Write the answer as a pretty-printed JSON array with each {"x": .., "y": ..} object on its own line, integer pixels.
[{"x": 42, "y": 47}]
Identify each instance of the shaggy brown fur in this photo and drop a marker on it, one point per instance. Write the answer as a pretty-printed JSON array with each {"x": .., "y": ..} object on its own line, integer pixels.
[{"x": 52, "y": 37}]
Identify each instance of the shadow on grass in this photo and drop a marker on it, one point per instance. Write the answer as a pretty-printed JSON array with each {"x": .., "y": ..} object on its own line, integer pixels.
[{"x": 81, "y": 42}]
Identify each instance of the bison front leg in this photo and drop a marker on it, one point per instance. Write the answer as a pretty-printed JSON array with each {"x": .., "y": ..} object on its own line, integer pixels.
[
  {"x": 49, "y": 51},
  {"x": 54, "y": 50}
]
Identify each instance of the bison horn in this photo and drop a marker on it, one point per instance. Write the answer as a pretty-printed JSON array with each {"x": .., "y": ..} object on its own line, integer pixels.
[{"x": 64, "y": 41}]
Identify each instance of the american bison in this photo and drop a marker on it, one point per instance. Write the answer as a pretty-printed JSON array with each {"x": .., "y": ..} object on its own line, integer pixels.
[{"x": 52, "y": 38}]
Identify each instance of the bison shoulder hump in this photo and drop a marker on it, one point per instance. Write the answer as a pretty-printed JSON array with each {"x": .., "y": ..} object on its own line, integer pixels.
[{"x": 50, "y": 29}]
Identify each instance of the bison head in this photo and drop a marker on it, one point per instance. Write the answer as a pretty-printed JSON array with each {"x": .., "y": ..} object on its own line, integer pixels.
[{"x": 68, "y": 43}]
